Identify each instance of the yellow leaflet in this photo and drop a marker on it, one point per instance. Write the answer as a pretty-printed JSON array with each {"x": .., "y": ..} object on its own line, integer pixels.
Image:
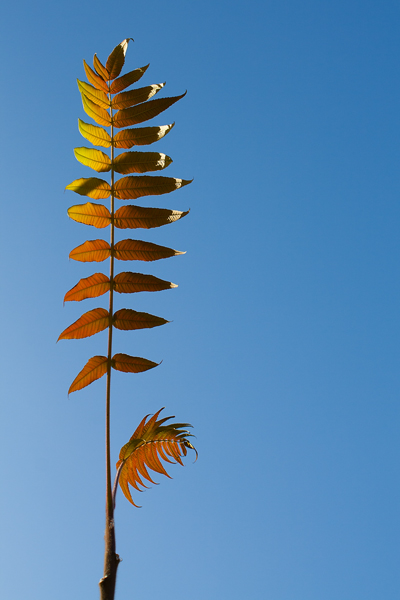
[
  {"x": 95, "y": 188},
  {"x": 96, "y": 96},
  {"x": 97, "y": 113},
  {"x": 96, "y": 135},
  {"x": 95, "y": 159}
]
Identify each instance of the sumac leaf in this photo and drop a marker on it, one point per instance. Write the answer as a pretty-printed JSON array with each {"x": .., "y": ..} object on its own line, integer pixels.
[
  {"x": 93, "y": 94},
  {"x": 140, "y": 162},
  {"x": 90, "y": 214},
  {"x": 137, "y": 250},
  {"x": 127, "y": 320},
  {"x": 100, "y": 68},
  {"x": 141, "y": 136},
  {"x": 95, "y": 368},
  {"x": 96, "y": 135},
  {"x": 116, "y": 60},
  {"x": 98, "y": 114},
  {"x": 91, "y": 251},
  {"x": 94, "y": 78},
  {"x": 133, "y": 97},
  {"x": 143, "y": 112},
  {"x": 128, "y": 79},
  {"x": 89, "y": 287},
  {"x": 138, "y": 217},
  {"x": 132, "y": 364},
  {"x": 95, "y": 159},
  {"x": 88, "y": 324},
  {"x": 95, "y": 188},
  {"x": 130, "y": 188},
  {"x": 129, "y": 283}
]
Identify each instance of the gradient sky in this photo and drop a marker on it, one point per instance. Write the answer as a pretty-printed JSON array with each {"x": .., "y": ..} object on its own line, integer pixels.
[{"x": 284, "y": 347}]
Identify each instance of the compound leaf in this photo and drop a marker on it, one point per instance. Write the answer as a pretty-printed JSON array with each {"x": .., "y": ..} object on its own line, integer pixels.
[
  {"x": 128, "y": 79},
  {"x": 143, "y": 112},
  {"x": 89, "y": 287},
  {"x": 95, "y": 159},
  {"x": 95, "y": 368},
  {"x": 88, "y": 324},
  {"x": 140, "y": 162},
  {"x": 129, "y": 283},
  {"x": 137, "y": 250},
  {"x": 91, "y": 251},
  {"x": 96, "y": 135},
  {"x": 90, "y": 214},
  {"x": 128, "y": 99},
  {"x": 142, "y": 136},
  {"x": 130, "y": 188},
  {"x": 138, "y": 217},
  {"x": 152, "y": 442},
  {"x": 127, "y": 319},
  {"x": 95, "y": 188}
]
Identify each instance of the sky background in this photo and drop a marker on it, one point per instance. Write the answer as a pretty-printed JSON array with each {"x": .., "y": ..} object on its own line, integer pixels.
[{"x": 284, "y": 347}]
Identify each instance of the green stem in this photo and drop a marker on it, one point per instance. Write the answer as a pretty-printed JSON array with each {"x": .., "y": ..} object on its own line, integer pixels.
[{"x": 111, "y": 559}]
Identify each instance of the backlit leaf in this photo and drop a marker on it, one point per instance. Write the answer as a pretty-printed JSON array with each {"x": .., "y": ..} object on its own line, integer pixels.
[
  {"x": 143, "y": 112},
  {"x": 91, "y": 251},
  {"x": 141, "y": 162},
  {"x": 90, "y": 214},
  {"x": 130, "y": 188},
  {"x": 94, "y": 78},
  {"x": 98, "y": 114},
  {"x": 129, "y": 283},
  {"x": 97, "y": 135},
  {"x": 152, "y": 442},
  {"x": 116, "y": 60},
  {"x": 132, "y": 364},
  {"x": 138, "y": 217},
  {"x": 128, "y": 79},
  {"x": 127, "y": 99},
  {"x": 96, "y": 96},
  {"x": 95, "y": 368},
  {"x": 95, "y": 159},
  {"x": 127, "y": 138},
  {"x": 89, "y": 287},
  {"x": 95, "y": 188},
  {"x": 88, "y": 324},
  {"x": 137, "y": 250},
  {"x": 127, "y": 319},
  {"x": 100, "y": 68}
]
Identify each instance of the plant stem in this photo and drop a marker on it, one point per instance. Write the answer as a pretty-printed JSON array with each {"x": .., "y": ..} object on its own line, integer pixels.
[{"x": 111, "y": 559}]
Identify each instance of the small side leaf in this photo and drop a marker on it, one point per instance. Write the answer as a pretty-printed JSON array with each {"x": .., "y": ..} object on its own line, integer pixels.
[
  {"x": 137, "y": 250},
  {"x": 138, "y": 217},
  {"x": 88, "y": 324},
  {"x": 128, "y": 99},
  {"x": 130, "y": 283},
  {"x": 141, "y": 162},
  {"x": 95, "y": 368},
  {"x": 128, "y": 320},
  {"x": 89, "y": 287},
  {"x": 141, "y": 136},
  {"x": 96, "y": 135},
  {"x": 95, "y": 79},
  {"x": 128, "y": 79},
  {"x": 100, "y": 68},
  {"x": 91, "y": 251},
  {"x": 144, "y": 112},
  {"x": 98, "y": 114},
  {"x": 93, "y": 94},
  {"x": 132, "y": 364},
  {"x": 90, "y": 214},
  {"x": 95, "y": 159},
  {"x": 130, "y": 188},
  {"x": 95, "y": 188},
  {"x": 116, "y": 60}
]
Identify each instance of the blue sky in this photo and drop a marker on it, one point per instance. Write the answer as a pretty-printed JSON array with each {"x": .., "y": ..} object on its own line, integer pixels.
[{"x": 284, "y": 347}]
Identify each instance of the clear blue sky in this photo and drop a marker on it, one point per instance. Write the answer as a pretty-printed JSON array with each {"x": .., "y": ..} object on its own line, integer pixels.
[{"x": 284, "y": 347}]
